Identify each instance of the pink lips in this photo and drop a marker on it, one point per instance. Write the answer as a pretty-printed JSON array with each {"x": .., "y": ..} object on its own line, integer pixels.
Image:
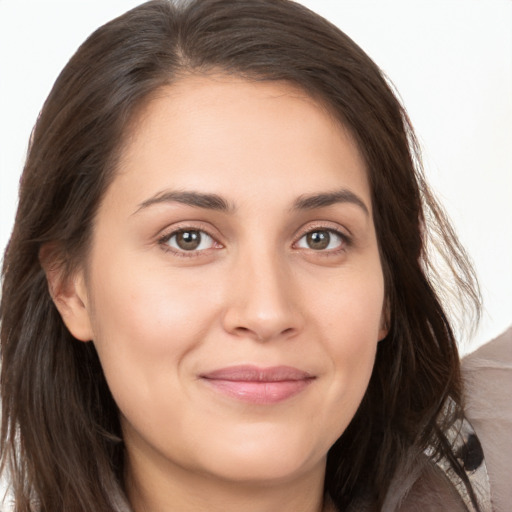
[{"x": 258, "y": 385}]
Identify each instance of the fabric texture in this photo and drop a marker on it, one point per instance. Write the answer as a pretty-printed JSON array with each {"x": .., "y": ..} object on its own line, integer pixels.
[{"x": 487, "y": 374}]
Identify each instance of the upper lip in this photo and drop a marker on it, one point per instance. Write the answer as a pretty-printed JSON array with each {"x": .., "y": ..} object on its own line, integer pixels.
[{"x": 251, "y": 373}]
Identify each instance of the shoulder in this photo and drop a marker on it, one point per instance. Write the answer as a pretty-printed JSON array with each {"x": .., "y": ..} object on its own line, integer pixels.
[
  {"x": 422, "y": 486},
  {"x": 487, "y": 375},
  {"x": 431, "y": 492}
]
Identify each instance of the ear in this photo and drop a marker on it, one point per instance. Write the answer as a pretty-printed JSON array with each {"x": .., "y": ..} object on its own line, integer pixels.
[
  {"x": 385, "y": 320},
  {"x": 68, "y": 293}
]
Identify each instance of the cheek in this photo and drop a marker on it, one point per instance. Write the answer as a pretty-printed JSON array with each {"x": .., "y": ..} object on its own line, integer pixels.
[
  {"x": 145, "y": 322},
  {"x": 351, "y": 319},
  {"x": 350, "y": 308},
  {"x": 146, "y": 326},
  {"x": 149, "y": 303},
  {"x": 359, "y": 327}
]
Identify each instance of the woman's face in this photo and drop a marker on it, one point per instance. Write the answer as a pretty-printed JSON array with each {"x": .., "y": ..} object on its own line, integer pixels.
[{"x": 234, "y": 290}]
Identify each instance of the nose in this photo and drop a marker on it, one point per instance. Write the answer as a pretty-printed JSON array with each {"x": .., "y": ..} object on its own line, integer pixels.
[{"x": 263, "y": 303}]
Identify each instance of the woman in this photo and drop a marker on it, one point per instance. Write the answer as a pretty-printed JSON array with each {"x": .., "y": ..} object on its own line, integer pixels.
[{"x": 217, "y": 293}]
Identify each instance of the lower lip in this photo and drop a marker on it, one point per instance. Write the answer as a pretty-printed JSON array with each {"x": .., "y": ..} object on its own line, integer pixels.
[{"x": 259, "y": 392}]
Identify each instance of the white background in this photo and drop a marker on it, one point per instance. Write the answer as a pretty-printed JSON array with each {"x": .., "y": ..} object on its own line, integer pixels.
[{"x": 451, "y": 60}]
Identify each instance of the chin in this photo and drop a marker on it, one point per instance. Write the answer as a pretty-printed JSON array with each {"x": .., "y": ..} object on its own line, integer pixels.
[{"x": 266, "y": 458}]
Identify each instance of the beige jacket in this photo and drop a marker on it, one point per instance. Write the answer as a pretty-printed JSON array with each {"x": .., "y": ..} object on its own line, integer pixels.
[{"x": 487, "y": 376}]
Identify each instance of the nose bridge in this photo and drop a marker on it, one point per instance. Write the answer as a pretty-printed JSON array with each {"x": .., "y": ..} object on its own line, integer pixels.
[{"x": 261, "y": 303}]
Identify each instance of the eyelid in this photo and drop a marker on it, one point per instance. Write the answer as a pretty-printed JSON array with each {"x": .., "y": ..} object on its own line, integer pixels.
[
  {"x": 174, "y": 229},
  {"x": 335, "y": 228},
  {"x": 323, "y": 226},
  {"x": 165, "y": 235}
]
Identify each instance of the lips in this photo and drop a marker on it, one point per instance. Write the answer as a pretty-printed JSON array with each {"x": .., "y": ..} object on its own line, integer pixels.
[{"x": 258, "y": 385}]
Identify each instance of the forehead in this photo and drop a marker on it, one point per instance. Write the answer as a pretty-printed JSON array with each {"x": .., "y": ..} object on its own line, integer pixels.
[{"x": 219, "y": 131}]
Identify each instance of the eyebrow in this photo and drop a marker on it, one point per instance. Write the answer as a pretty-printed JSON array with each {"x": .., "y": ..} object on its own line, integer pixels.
[
  {"x": 190, "y": 198},
  {"x": 218, "y": 203},
  {"x": 322, "y": 200}
]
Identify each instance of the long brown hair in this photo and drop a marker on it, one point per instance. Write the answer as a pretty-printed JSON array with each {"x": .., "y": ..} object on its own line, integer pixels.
[{"x": 61, "y": 441}]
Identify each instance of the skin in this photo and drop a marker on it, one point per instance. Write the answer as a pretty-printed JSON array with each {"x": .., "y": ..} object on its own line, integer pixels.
[{"x": 256, "y": 291}]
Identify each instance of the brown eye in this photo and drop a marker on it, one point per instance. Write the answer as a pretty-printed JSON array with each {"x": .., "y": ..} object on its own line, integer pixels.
[
  {"x": 190, "y": 240},
  {"x": 321, "y": 239},
  {"x": 318, "y": 240}
]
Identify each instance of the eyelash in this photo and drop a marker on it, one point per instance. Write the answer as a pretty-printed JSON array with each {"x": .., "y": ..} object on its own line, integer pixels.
[
  {"x": 163, "y": 241},
  {"x": 344, "y": 241}
]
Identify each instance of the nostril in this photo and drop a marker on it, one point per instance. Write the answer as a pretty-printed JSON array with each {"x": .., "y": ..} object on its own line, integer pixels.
[{"x": 261, "y": 334}]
